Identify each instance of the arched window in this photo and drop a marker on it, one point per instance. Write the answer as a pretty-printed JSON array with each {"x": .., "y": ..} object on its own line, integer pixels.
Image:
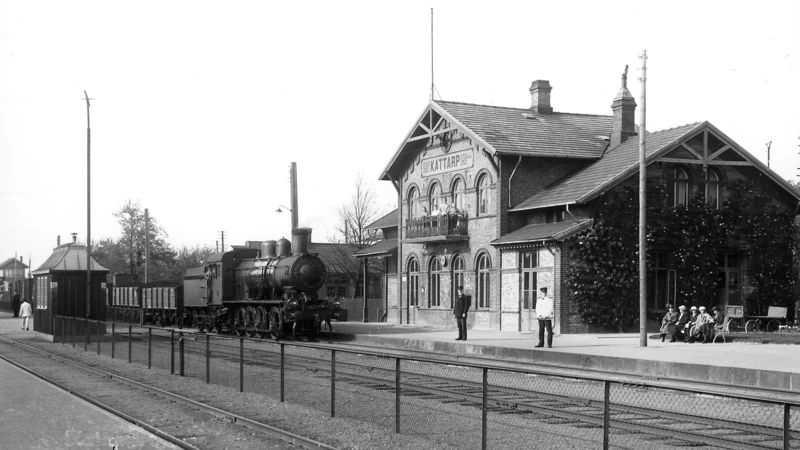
[
  {"x": 459, "y": 277},
  {"x": 482, "y": 268},
  {"x": 434, "y": 282},
  {"x": 413, "y": 203},
  {"x": 678, "y": 186},
  {"x": 413, "y": 282},
  {"x": 434, "y": 196},
  {"x": 484, "y": 196},
  {"x": 458, "y": 196},
  {"x": 712, "y": 190}
]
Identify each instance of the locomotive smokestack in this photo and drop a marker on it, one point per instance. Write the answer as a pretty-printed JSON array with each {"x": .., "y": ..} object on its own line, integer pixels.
[{"x": 300, "y": 241}]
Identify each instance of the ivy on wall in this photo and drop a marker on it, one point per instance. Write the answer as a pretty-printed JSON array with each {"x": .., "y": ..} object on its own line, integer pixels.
[{"x": 603, "y": 276}]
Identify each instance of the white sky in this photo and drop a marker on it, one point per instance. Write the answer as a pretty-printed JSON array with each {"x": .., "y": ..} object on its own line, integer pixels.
[{"x": 199, "y": 107}]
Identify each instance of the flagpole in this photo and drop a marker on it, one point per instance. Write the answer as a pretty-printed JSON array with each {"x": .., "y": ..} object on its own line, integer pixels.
[{"x": 642, "y": 209}]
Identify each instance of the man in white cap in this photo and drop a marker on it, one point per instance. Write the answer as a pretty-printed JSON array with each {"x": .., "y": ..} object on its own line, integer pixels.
[{"x": 701, "y": 325}]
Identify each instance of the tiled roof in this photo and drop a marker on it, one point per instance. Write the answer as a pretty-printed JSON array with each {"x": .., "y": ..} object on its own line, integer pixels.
[
  {"x": 542, "y": 232},
  {"x": 387, "y": 221},
  {"x": 521, "y": 131},
  {"x": 588, "y": 182},
  {"x": 382, "y": 248},
  {"x": 68, "y": 258},
  {"x": 329, "y": 252},
  {"x": 11, "y": 264}
]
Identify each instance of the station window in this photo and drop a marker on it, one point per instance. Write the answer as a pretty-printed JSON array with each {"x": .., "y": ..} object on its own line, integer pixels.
[
  {"x": 434, "y": 282},
  {"x": 482, "y": 269},
  {"x": 484, "y": 196},
  {"x": 678, "y": 186},
  {"x": 459, "y": 277},
  {"x": 458, "y": 195},
  {"x": 413, "y": 282}
]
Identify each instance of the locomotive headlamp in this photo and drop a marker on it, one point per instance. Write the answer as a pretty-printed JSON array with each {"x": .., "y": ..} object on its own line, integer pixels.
[
  {"x": 337, "y": 304},
  {"x": 292, "y": 304}
]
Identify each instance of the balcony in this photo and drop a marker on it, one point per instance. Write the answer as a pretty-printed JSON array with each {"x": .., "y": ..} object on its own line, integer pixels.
[{"x": 445, "y": 227}]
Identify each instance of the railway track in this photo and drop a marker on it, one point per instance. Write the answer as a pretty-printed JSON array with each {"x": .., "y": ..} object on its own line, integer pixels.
[
  {"x": 681, "y": 418},
  {"x": 186, "y": 423}
]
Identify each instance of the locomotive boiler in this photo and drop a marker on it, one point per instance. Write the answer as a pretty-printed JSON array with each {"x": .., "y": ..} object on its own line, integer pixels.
[{"x": 258, "y": 292}]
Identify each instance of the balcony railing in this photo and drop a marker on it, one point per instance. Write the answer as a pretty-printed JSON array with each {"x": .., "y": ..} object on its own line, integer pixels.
[{"x": 437, "y": 226}]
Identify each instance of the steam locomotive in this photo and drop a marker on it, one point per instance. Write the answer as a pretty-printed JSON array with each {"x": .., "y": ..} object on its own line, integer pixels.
[{"x": 272, "y": 291}]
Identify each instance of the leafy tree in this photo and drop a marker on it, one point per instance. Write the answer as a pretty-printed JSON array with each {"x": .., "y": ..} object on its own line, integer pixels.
[
  {"x": 186, "y": 258},
  {"x": 131, "y": 218}
]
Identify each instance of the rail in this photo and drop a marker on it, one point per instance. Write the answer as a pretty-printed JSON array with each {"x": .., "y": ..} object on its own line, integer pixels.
[{"x": 466, "y": 404}]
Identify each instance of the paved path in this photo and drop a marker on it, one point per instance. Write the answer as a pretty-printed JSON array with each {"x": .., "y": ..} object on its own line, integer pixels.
[{"x": 37, "y": 415}]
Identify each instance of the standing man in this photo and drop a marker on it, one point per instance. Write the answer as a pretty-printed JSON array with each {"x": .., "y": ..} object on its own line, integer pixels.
[
  {"x": 460, "y": 309},
  {"x": 544, "y": 310},
  {"x": 26, "y": 313},
  {"x": 15, "y": 304}
]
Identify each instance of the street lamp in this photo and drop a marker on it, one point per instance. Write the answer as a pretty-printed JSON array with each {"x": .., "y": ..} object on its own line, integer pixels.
[{"x": 279, "y": 210}]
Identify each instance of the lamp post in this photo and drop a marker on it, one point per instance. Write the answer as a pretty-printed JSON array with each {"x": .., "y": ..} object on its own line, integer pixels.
[{"x": 294, "y": 216}]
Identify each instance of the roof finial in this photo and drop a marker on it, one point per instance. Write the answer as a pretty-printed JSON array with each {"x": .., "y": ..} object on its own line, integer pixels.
[{"x": 625, "y": 77}]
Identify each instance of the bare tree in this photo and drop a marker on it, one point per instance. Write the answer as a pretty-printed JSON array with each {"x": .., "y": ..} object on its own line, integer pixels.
[{"x": 354, "y": 216}]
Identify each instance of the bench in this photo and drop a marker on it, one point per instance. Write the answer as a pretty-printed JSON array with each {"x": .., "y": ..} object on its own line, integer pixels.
[
  {"x": 775, "y": 315},
  {"x": 721, "y": 329}
]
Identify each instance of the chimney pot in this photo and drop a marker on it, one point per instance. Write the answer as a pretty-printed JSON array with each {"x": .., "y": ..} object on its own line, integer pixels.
[
  {"x": 58, "y": 240},
  {"x": 540, "y": 97}
]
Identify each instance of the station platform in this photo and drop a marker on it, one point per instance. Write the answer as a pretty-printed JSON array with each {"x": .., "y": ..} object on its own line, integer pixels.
[
  {"x": 38, "y": 415},
  {"x": 768, "y": 366}
]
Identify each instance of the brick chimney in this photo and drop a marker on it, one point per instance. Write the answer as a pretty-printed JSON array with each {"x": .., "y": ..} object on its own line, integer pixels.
[
  {"x": 540, "y": 97},
  {"x": 624, "y": 107}
]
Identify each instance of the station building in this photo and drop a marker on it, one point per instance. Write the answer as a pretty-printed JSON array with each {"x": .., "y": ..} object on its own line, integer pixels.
[{"x": 487, "y": 196}]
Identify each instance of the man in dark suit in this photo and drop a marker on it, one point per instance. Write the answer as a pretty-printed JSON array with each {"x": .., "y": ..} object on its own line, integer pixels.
[
  {"x": 676, "y": 328},
  {"x": 460, "y": 310}
]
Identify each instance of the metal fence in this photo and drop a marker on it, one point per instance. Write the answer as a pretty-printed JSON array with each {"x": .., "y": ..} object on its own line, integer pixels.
[{"x": 469, "y": 405}]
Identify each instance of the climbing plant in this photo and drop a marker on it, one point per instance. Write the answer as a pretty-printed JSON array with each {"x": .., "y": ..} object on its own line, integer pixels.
[{"x": 603, "y": 275}]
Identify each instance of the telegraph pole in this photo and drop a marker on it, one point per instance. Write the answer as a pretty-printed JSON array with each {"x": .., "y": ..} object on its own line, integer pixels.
[
  {"x": 146, "y": 243},
  {"x": 642, "y": 210},
  {"x": 88, "y": 209}
]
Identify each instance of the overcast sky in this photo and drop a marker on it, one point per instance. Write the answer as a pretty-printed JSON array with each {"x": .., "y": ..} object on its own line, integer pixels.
[{"x": 200, "y": 107}]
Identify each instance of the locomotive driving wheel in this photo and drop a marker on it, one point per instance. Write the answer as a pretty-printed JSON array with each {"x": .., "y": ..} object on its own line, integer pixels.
[
  {"x": 263, "y": 322},
  {"x": 239, "y": 322},
  {"x": 251, "y": 320},
  {"x": 275, "y": 323}
]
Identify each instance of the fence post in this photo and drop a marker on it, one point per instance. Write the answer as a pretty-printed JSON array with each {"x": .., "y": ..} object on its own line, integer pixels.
[
  {"x": 86, "y": 334},
  {"x": 483, "y": 407},
  {"x": 130, "y": 343},
  {"x": 787, "y": 427},
  {"x": 63, "y": 331},
  {"x": 72, "y": 335},
  {"x": 172, "y": 352},
  {"x": 208, "y": 359},
  {"x": 283, "y": 355},
  {"x": 241, "y": 364},
  {"x": 149, "y": 347},
  {"x": 397, "y": 395},
  {"x": 606, "y": 412},
  {"x": 333, "y": 383},
  {"x": 99, "y": 336},
  {"x": 180, "y": 353},
  {"x": 113, "y": 338}
]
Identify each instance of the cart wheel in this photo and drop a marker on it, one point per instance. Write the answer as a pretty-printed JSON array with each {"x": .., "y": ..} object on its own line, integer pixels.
[
  {"x": 773, "y": 325},
  {"x": 751, "y": 326}
]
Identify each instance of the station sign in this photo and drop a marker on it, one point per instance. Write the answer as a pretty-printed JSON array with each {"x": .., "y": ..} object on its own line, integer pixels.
[{"x": 447, "y": 163}]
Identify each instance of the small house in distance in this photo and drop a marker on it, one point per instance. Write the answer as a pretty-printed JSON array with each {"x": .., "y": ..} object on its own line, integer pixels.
[{"x": 59, "y": 287}]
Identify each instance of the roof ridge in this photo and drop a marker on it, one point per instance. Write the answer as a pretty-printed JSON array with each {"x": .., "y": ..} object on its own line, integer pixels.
[
  {"x": 522, "y": 109},
  {"x": 675, "y": 127}
]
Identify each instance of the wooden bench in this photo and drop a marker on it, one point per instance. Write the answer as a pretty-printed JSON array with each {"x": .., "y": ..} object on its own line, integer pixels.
[
  {"x": 775, "y": 315},
  {"x": 722, "y": 329}
]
